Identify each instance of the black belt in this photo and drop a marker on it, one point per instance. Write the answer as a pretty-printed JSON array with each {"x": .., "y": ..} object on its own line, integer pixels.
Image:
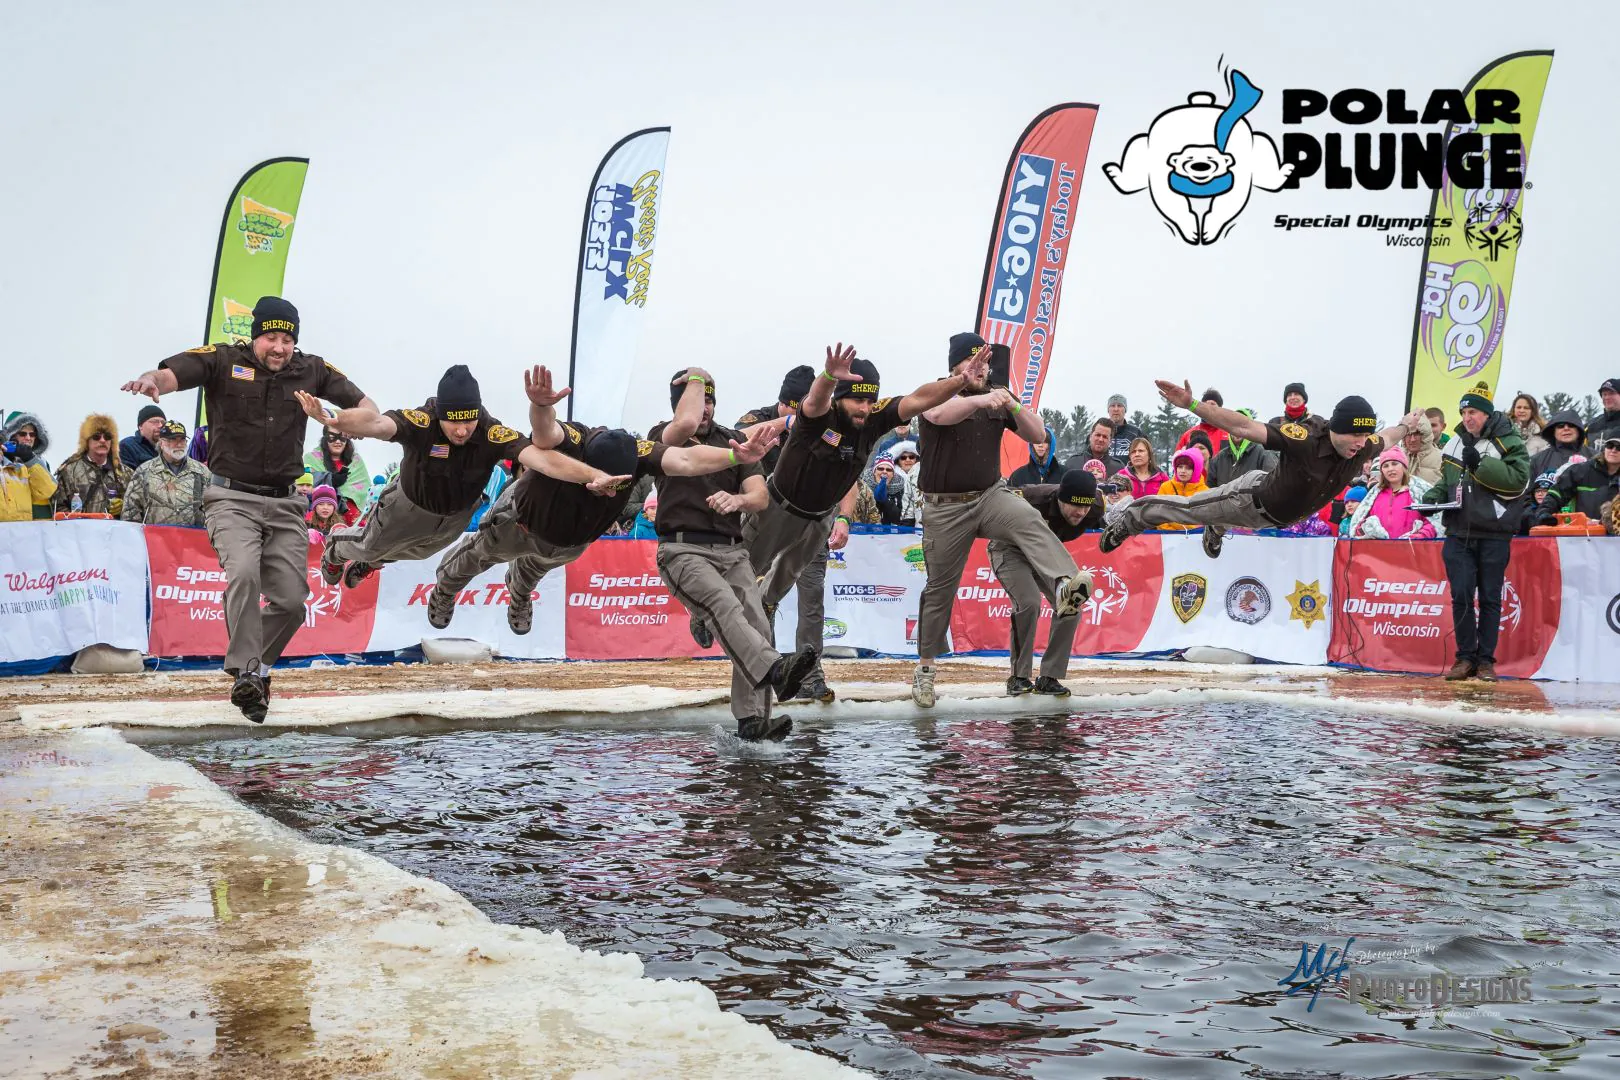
[
  {"x": 266, "y": 490},
  {"x": 708, "y": 539},
  {"x": 781, "y": 500},
  {"x": 948, "y": 498}
]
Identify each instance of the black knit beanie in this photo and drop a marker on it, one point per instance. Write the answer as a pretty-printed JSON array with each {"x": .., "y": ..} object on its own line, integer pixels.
[
  {"x": 865, "y": 383},
  {"x": 274, "y": 313},
  {"x": 612, "y": 451},
  {"x": 1353, "y": 416},
  {"x": 676, "y": 389},
  {"x": 962, "y": 346},
  {"x": 458, "y": 398},
  {"x": 1296, "y": 388},
  {"x": 1078, "y": 487},
  {"x": 796, "y": 384}
]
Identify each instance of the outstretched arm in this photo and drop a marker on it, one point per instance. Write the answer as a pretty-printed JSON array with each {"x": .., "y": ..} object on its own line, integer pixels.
[
  {"x": 956, "y": 409},
  {"x": 819, "y": 399},
  {"x": 930, "y": 396},
  {"x": 1412, "y": 422},
  {"x": 1233, "y": 423},
  {"x": 702, "y": 460},
  {"x": 547, "y": 433},
  {"x": 153, "y": 383},
  {"x": 571, "y": 470},
  {"x": 357, "y": 423}
]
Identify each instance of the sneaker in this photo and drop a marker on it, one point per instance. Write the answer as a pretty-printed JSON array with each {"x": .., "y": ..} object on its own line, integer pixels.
[
  {"x": 331, "y": 565},
  {"x": 922, "y": 687},
  {"x": 1048, "y": 685},
  {"x": 1113, "y": 536},
  {"x": 1461, "y": 670},
  {"x": 356, "y": 573},
  {"x": 700, "y": 631},
  {"x": 1485, "y": 671},
  {"x": 788, "y": 673},
  {"x": 1073, "y": 593},
  {"x": 251, "y": 694},
  {"x": 1212, "y": 541},
  {"x": 1018, "y": 686},
  {"x": 519, "y": 609},
  {"x": 757, "y": 728},
  {"x": 814, "y": 688},
  {"x": 441, "y": 606}
]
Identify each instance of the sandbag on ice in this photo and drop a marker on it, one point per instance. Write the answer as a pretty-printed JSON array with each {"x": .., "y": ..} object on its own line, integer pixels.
[
  {"x": 455, "y": 651},
  {"x": 1209, "y": 654},
  {"x": 106, "y": 660}
]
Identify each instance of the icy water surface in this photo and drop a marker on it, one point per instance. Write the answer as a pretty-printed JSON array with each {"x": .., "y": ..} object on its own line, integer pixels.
[{"x": 1107, "y": 895}]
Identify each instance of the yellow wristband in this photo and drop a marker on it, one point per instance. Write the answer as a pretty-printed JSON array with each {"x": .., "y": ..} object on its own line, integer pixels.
[
  {"x": 733, "y": 455},
  {"x": 694, "y": 378},
  {"x": 1017, "y": 408},
  {"x": 828, "y": 377}
]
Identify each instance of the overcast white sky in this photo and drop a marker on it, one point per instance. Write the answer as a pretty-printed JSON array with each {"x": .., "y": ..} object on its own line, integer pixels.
[{"x": 832, "y": 175}]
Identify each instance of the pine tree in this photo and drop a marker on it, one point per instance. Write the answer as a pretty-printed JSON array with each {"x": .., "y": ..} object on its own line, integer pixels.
[{"x": 1557, "y": 401}]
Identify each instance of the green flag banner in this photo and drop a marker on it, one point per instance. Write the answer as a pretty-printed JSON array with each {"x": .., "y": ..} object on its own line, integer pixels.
[
  {"x": 1466, "y": 281},
  {"x": 254, "y": 238}
]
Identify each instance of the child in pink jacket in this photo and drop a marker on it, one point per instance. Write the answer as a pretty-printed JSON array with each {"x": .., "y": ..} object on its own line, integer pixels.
[{"x": 1386, "y": 513}]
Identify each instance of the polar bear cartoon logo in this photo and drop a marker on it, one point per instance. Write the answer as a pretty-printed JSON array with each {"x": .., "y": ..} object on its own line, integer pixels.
[{"x": 1199, "y": 162}]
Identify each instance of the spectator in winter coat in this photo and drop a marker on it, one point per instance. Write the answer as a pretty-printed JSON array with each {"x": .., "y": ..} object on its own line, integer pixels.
[
  {"x": 168, "y": 490},
  {"x": 905, "y": 465},
  {"x": 1385, "y": 513},
  {"x": 1296, "y": 406},
  {"x": 1585, "y": 486},
  {"x": 1526, "y": 418},
  {"x": 645, "y": 527},
  {"x": 1422, "y": 455},
  {"x": 324, "y": 514},
  {"x": 1142, "y": 473},
  {"x": 866, "y": 506},
  {"x": 889, "y": 492},
  {"x": 1606, "y": 426},
  {"x": 1042, "y": 467},
  {"x": 1124, "y": 433},
  {"x": 1239, "y": 457},
  {"x": 26, "y": 486},
  {"x": 141, "y": 447},
  {"x": 1214, "y": 434},
  {"x": 1188, "y": 478},
  {"x": 1098, "y": 442},
  {"x": 94, "y": 473},
  {"x": 336, "y": 464},
  {"x": 1353, "y": 498},
  {"x": 1566, "y": 439}
]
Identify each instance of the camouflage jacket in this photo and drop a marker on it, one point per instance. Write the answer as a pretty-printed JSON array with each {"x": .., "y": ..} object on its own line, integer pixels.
[
  {"x": 101, "y": 488},
  {"x": 159, "y": 496}
]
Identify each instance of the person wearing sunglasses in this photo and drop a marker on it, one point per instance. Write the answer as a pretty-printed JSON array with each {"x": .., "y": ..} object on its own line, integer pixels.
[
  {"x": 93, "y": 475},
  {"x": 335, "y": 462},
  {"x": 1585, "y": 486}
]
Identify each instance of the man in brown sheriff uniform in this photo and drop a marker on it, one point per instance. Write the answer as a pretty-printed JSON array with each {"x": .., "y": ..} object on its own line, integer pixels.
[
  {"x": 812, "y": 491},
  {"x": 254, "y": 515},
  {"x": 703, "y": 560},
  {"x": 577, "y": 482},
  {"x": 451, "y": 445},
  {"x": 964, "y": 498},
  {"x": 1069, "y": 508},
  {"x": 1316, "y": 458}
]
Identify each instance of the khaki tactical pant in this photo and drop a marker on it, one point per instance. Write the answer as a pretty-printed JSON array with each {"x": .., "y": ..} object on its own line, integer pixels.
[
  {"x": 500, "y": 539},
  {"x": 263, "y": 547},
  {"x": 788, "y": 551},
  {"x": 1026, "y": 590},
  {"x": 718, "y": 583},
  {"x": 397, "y": 530},
  {"x": 949, "y": 529},
  {"x": 1229, "y": 506}
]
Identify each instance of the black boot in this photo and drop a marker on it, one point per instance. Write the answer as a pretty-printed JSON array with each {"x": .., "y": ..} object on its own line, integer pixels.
[
  {"x": 789, "y": 672},
  {"x": 1048, "y": 685},
  {"x": 757, "y": 728},
  {"x": 1017, "y": 686},
  {"x": 251, "y": 694}
]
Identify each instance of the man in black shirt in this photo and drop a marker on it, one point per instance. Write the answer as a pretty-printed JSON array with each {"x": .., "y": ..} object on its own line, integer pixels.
[
  {"x": 837, "y": 425},
  {"x": 1125, "y": 432},
  {"x": 451, "y": 445},
  {"x": 1315, "y": 460},
  {"x": 964, "y": 499},
  {"x": 1069, "y": 508}
]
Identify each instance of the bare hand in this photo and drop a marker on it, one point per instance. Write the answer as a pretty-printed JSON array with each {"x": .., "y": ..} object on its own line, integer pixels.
[
  {"x": 1001, "y": 399},
  {"x": 313, "y": 408},
  {"x": 761, "y": 437},
  {"x": 839, "y": 535},
  {"x": 1415, "y": 421},
  {"x": 724, "y": 502},
  {"x": 143, "y": 385},
  {"x": 537, "y": 385},
  {"x": 839, "y": 358},
  {"x": 609, "y": 485},
  {"x": 979, "y": 369},
  {"x": 692, "y": 373},
  {"x": 1179, "y": 396}
]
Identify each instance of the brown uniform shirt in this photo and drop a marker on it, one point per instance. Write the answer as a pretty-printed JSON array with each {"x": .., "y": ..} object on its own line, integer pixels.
[
  {"x": 824, "y": 455},
  {"x": 747, "y": 420},
  {"x": 683, "y": 501},
  {"x": 438, "y": 475},
  {"x": 1043, "y": 497},
  {"x": 1309, "y": 471},
  {"x": 566, "y": 514},
  {"x": 963, "y": 457},
  {"x": 255, "y": 425}
]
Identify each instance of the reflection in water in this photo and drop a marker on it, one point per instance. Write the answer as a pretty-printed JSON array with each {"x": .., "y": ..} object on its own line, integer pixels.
[{"x": 1114, "y": 894}]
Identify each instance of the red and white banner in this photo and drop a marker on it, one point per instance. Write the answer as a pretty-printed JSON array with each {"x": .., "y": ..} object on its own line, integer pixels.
[
  {"x": 1380, "y": 604},
  {"x": 65, "y": 585}
]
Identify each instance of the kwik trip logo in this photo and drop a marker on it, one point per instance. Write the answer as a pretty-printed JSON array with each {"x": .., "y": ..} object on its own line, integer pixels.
[
  {"x": 1200, "y": 162},
  {"x": 619, "y": 240}
]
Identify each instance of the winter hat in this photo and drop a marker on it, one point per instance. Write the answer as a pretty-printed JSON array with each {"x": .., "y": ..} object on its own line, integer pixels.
[
  {"x": 865, "y": 383},
  {"x": 324, "y": 493},
  {"x": 274, "y": 313},
  {"x": 796, "y": 384},
  {"x": 147, "y": 413},
  {"x": 614, "y": 452},
  {"x": 1394, "y": 453},
  {"x": 1214, "y": 395},
  {"x": 680, "y": 381},
  {"x": 1295, "y": 388},
  {"x": 1355, "y": 494},
  {"x": 1547, "y": 479},
  {"x": 307, "y": 478},
  {"x": 1116, "y": 399},
  {"x": 899, "y": 448},
  {"x": 1078, "y": 488},
  {"x": 1194, "y": 456},
  {"x": 962, "y": 346},
  {"x": 1353, "y": 416},
  {"x": 650, "y": 502},
  {"x": 1610, "y": 384},
  {"x": 1478, "y": 398},
  {"x": 172, "y": 429},
  {"x": 458, "y": 398}
]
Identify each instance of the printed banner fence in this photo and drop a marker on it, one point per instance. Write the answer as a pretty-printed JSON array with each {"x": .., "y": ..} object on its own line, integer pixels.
[{"x": 1379, "y": 604}]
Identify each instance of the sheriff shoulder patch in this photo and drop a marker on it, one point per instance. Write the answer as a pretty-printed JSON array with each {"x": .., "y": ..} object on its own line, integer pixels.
[
  {"x": 747, "y": 418},
  {"x": 881, "y": 403},
  {"x": 573, "y": 434},
  {"x": 333, "y": 368},
  {"x": 204, "y": 350},
  {"x": 1296, "y": 432},
  {"x": 644, "y": 448},
  {"x": 500, "y": 433},
  {"x": 417, "y": 417}
]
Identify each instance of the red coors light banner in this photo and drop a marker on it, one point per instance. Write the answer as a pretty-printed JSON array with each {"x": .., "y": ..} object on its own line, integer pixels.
[
  {"x": 1125, "y": 589},
  {"x": 619, "y": 606},
  {"x": 1393, "y": 607}
]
